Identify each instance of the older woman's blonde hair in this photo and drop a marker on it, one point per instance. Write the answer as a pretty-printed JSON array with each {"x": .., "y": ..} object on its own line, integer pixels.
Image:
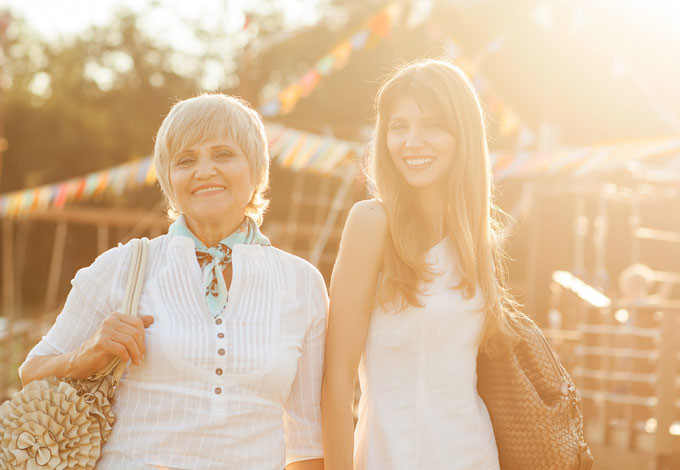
[
  {"x": 442, "y": 88},
  {"x": 210, "y": 117}
]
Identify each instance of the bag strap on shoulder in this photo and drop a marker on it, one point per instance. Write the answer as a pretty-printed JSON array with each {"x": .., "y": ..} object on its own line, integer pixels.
[{"x": 133, "y": 291}]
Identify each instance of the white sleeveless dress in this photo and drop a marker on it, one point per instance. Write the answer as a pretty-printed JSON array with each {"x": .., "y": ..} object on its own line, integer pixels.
[{"x": 419, "y": 407}]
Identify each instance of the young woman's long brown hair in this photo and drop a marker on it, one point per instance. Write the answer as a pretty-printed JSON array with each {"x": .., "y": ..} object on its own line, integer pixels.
[{"x": 471, "y": 217}]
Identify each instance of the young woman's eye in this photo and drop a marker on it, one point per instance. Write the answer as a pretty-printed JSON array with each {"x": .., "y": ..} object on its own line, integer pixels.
[
  {"x": 397, "y": 126},
  {"x": 434, "y": 125}
]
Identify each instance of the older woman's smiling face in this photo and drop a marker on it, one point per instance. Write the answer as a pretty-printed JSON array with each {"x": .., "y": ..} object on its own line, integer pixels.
[{"x": 211, "y": 181}]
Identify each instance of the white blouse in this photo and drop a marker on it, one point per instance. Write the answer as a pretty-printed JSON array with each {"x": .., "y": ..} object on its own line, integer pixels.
[
  {"x": 419, "y": 407},
  {"x": 240, "y": 391}
]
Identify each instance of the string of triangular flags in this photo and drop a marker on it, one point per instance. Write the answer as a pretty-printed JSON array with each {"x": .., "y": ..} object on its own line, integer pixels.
[
  {"x": 290, "y": 148},
  {"x": 372, "y": 30},
  {"x": 658, "y": 159},
  {"x": 509, "y": 121},
  {"x": 302, "y": 151}
]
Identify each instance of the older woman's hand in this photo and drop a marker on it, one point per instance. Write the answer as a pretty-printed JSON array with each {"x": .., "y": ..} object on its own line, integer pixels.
[{"x": 119, "y": 335}]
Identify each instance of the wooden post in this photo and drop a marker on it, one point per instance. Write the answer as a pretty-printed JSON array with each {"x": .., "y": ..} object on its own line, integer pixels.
[
  {"x": 533, "y": 261},
  {"x": 8, "y": 269},
  {"x": 20, "y": 263},
  {"x": 600, "y": 229},
  {"x": 102, "y": 238},
  {"x": 323, "y": 205},
  {"x": 580, "y": 233},
  {"x": 665, "y": 380},
  {"x": 8, "y": 299},
  {"x": 295, "y": 205},
  {"x": 5, "y": 21},
  {"x": 634, "y": 223},
  {"x": 55, "y": 265},
  {"x": 335, "y": 209}
]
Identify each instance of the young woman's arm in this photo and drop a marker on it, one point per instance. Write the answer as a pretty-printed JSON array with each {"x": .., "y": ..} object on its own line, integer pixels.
[
  {"x": 352, "y": 298},
  {"x": 314, "y": 464}
]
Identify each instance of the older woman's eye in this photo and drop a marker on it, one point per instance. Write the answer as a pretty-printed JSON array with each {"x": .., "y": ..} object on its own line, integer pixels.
[
  {"x": 182, "y": 162},
  {"x": 223, "y": 155},
  {"x": 397, "y": 126}
]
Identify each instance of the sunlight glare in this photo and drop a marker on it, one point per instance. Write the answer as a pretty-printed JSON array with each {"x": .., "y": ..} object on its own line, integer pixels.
[{"x": 580, "y": 288}]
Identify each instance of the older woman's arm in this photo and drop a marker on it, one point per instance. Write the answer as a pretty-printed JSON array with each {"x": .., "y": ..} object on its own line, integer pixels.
[
  {"x": 86, "y": 335},
  {"x": 353, "y": 284},
  {"x": 119, "y": 336},
  {"x": 302, "y": 412}
]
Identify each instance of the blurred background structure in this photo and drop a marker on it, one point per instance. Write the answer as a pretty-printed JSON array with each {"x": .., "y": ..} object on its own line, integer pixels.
[{"x": 583, "y": 108}]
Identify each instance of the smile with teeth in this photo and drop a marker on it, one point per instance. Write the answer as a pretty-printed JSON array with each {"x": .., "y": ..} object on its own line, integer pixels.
[
  {"x": 210, "y": 189},
  {"x": 418, "y": 161}
]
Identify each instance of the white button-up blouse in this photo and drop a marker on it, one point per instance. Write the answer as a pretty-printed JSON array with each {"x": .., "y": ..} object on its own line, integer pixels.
[{"x": 240, "y": 391}]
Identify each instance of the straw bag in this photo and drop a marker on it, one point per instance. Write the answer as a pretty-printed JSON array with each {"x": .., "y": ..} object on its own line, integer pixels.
[
  {"x": 63, "y": 423},
  {"x": 533, "y": 404}
]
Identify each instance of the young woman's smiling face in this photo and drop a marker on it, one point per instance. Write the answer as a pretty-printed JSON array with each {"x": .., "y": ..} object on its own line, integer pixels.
[
  {"x": 419, "y": 143},
  {"x": 211, "y": 180}
]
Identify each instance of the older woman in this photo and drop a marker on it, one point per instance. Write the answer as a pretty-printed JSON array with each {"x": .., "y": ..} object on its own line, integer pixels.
[{"x": 227, "y": 351}]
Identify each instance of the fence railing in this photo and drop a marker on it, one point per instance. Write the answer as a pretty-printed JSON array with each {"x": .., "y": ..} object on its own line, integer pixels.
[{"x": 625, "y": 362}]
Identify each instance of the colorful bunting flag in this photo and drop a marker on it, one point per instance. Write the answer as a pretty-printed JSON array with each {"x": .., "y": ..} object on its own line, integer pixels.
[
  {"x": 508, "y": 124},
  {"x": 358, "y": 41},
  {"x": 289, "y": 97},
  {"x": 290, "y": 148},
  {"x": 380, "y": 23},
  {"x": 374, "y": 29},
  {"x": 308, "y": 82},
  {"x": 271, "y": 108},
  {"x": 340, "y": 54},
  {"x": 325, "y": 65},
  {"x": 509, "y": 120}
]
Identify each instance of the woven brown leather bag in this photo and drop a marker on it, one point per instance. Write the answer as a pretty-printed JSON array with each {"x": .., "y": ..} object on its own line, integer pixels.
[{"x": 533, "y": 404}]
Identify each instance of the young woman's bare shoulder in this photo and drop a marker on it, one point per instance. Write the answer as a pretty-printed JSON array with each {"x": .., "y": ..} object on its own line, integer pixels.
[
  {"x": 370, "y": 217},
  {"x": 363, "y": 243}
]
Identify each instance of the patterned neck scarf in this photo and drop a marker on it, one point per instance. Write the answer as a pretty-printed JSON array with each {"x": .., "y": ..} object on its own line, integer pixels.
[{"x": 213, "y": 260}]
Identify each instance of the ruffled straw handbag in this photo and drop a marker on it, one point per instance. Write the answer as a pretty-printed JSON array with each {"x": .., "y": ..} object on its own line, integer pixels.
[
  {"x": 62, "y": 423},
  {"x": 533, "y": 404}
]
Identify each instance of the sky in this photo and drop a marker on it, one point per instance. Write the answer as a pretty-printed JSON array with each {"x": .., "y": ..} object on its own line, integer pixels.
[
  {"x": 168, "y": 21},
  {"x": 71, "y": 16},
  {"x": 164, "y": 19},
  {"x": 650, "y": 27}
]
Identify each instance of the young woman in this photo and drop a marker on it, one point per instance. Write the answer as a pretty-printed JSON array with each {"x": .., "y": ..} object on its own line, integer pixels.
[
  {"x": 416, "y": 289},
  {"x": 227, "y": 351}
]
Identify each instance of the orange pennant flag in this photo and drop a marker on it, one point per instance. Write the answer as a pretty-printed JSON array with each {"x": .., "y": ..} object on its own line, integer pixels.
[{"x": 289, "y": 97}]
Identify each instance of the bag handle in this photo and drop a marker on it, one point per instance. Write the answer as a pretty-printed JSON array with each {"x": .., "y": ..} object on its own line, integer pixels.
[{"x": 133, "y": 291}]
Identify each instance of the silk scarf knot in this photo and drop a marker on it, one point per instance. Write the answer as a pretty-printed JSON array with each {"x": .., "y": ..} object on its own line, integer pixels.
[{"x": 213, "y": 260}]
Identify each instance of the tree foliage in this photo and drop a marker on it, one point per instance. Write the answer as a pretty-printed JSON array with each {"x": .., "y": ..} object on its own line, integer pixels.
[{"x": 93, "y": 102}]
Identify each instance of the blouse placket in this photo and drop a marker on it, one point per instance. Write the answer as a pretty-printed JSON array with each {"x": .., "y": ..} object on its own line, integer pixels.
[{"x": 221, "y": 352}]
